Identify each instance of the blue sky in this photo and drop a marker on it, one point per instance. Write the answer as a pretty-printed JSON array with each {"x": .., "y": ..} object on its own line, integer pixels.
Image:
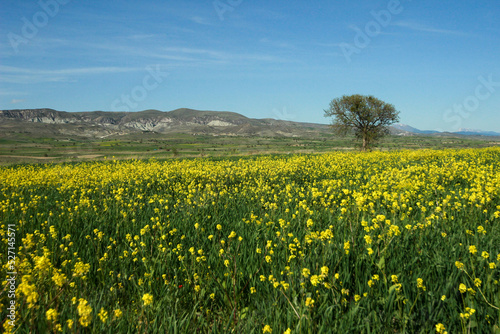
[{"x": 436, "y": 61}]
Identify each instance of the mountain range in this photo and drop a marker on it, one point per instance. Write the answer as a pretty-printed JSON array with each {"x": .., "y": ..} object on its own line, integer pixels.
[
  {"x": 461, "y": 131},
  {"x": 101, "y": 124}
]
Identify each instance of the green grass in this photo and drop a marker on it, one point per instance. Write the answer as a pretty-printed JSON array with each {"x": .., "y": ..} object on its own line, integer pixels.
[
  {"x": 421, "y": 209},
  {"x": 27, "y": 149}
]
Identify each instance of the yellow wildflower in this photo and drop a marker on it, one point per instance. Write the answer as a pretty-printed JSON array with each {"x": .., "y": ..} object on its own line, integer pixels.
[
  {"x": 85, "y": 312},
  {"x": 103, "y": 315},
  {"x": 347, "y": 246},
  {"x": 315, "y": 280},
  {"x": 147, "y": 299},
  {"x": 420, "y": 284},
  {"x": 51, "y": 315},
  {"x": 118, "y": 313},
  {"x": 440, "y": 329}
]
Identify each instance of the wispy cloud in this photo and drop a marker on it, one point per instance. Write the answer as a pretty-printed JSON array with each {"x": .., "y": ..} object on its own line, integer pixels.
[
  {"x": 270, "y": 14},
  {"x": 425, "y": 28},
  {"x": 21, "y": 75},
  {"x": 194, "y": 56},
  {"x": 204, "y": 56},
  {"x": 15, "y": 101},
  {"x": 329, "y": 45},
  {"x": 182, "y": 56},
  {"x": 277, "y": 44},
  {"x": 142, "y": 36},
  {"x": 153, "y": 50},
  {"x": 11, "y": 93},
  {"x": 198, "y": 51},
  {"x": 200, "y": 20}
]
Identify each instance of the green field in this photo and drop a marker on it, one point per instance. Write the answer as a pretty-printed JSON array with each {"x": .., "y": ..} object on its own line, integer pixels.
[
  {"x": 27, "y": 148},
  {"x": 342, "y": 242}
]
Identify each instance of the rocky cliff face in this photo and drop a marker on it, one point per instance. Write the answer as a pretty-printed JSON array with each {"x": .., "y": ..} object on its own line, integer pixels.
[
  {"x": 98, "y": 123},
  {"x": 138, "y": 120},
  {"x": 49, "y": 116}
]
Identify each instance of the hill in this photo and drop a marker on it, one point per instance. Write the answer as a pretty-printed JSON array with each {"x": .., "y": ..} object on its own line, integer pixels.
[{"x": 101, "y": 124}]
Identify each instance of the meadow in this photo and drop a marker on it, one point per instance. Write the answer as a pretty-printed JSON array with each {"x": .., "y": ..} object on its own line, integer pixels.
[
  {"x": 343, "y": 242},
  {"x": 18, "y": 148}
]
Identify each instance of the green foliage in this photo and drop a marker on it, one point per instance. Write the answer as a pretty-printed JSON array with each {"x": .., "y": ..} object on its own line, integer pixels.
[
  {"x": 366, "y": 227},
  {"x": 365, "y": 116}
]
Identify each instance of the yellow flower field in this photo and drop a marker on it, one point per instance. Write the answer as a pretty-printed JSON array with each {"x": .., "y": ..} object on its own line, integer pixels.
[{"x": 404, "y": 241}]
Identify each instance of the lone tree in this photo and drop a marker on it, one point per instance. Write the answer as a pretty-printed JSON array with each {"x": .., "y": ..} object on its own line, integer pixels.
[{"x": 365, "y": 116}]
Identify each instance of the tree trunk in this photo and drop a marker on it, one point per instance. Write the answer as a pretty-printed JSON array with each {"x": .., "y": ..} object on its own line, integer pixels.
[{"x": 365, "y": 142}]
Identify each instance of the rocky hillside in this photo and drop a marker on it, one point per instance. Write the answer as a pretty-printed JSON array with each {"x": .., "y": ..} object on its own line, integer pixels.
[{"x": 103, "y": 124}]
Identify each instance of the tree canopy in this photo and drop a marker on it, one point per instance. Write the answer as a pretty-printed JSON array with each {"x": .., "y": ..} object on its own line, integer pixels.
[{"x": 367, "y": 117}]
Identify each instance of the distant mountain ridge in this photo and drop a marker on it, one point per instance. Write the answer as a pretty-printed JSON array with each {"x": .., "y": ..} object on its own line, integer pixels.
[
  {"x": 474, "y": 132},
  {"x": 104, "y": 123},
  {"x": 461, "y": 131},
  {"x": 100, "y": 124},
  {"x": 407, "y": 128}
]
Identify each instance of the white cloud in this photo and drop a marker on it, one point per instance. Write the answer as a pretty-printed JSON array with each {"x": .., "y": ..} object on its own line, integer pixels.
[
  {"x": 11, "y": 93},
  {"x": 211, "y": 53},
  {"x": 200, "y": 20},
  {"x": 277, "y": 44},
  {"x": 12, "y": 74},
  {"x": 424, "y": 28},
  {"x": 142, "y": 36}
]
